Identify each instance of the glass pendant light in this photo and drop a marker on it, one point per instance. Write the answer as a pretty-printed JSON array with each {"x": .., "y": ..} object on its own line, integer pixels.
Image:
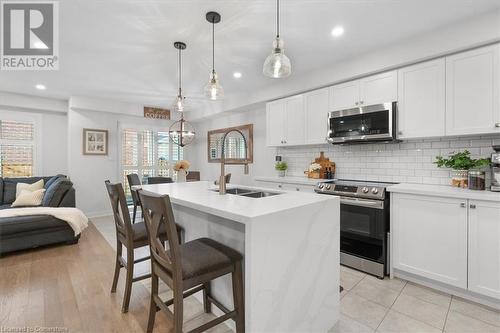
[
  {"x": 180, "y": 100},
  {"x": 213, "y": 89},
  {"x": 181, "y": 132},
  {"x": 277, "y": 64}
]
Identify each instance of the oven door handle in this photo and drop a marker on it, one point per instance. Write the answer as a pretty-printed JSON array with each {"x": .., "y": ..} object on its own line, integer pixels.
[{"x": 377, "y": 204}]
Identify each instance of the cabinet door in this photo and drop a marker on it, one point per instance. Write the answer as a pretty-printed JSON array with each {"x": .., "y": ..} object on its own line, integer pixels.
[
  {"x": 484, "y": 248},
  {"x": 380, "y": 88},
  {"x": 430, "y": 237},
  {"x": 344, "y": 96},
  {"x": 421, "y": 100},
  {"x": 275, "y": 123},
  {"x": 472, "y": 92},
  {"x": 295, "y": 118},
  {"x": 316, "y": 116}
]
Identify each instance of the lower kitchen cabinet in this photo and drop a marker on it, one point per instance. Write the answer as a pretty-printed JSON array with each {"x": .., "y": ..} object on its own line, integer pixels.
[
  {"x": 449, "y": 240},
  {"x": 484, "y": 248},
  {"x": 430, "y": 237}
]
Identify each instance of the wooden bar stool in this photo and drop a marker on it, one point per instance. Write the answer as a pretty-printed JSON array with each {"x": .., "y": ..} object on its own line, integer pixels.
[
  {"x": 188, "y": 268},
  {"x": 132, "y": 236}
]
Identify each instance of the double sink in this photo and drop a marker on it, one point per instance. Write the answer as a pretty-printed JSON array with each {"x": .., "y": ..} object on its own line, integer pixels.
[{"x": 244, "y": 192}]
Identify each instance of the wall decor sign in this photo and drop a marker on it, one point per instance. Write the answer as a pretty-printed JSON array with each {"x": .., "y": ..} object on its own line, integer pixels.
[
  {"x": 156, "y": 113},
  {"x": 95, "y": 142}
]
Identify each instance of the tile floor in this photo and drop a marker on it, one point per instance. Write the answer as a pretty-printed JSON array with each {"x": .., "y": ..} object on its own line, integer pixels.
[{"x": 371, "y": 305}]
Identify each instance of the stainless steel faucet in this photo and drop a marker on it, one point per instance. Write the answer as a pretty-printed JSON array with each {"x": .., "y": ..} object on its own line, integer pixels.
[{"x": 222, "y": 179}]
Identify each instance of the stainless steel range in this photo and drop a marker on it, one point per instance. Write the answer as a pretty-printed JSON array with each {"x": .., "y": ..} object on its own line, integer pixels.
[{"x": 364, "y": 223}]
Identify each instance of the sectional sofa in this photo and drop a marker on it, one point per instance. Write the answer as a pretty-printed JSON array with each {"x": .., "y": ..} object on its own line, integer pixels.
[{"x": 24, "y": 232}]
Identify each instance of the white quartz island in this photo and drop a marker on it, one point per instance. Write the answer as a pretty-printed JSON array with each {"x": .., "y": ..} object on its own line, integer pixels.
[{"x": 290, "y": 245}]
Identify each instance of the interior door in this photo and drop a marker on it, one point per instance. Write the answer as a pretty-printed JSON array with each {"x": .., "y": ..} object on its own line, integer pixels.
[
  {"x": 484, "y": 248},
  {"x": 295, "y": 120},
  {"x": 275, "y": 123},
  {"x": 421, "y": 100},
  {"x": 380, "y": 88},
  {"x": 316, "y": 116},
  {"x": 344, "y": 96},
  {"x": 472, "y": 92}
]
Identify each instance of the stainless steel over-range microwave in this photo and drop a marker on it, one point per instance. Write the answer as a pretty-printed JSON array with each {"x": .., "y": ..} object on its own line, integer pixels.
[{"x": 363, "y": 124}]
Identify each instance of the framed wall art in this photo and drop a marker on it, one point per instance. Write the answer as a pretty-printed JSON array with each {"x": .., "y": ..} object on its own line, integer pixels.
[{"x": 95, "y": 142}]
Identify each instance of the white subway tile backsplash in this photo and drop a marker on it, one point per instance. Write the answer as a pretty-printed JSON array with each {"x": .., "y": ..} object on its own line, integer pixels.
[{"x": 408, "y": 161}]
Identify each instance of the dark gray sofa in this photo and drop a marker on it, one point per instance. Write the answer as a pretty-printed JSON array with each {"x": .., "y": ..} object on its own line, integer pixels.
[{"x": 24, "y": 232}]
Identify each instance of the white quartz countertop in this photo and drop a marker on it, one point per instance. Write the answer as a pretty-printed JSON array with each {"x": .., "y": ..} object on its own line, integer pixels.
[
  {"x": 290, "y": 180},
  {"x": 199, "y": 196},
  {"x": 444, "y": 191}
]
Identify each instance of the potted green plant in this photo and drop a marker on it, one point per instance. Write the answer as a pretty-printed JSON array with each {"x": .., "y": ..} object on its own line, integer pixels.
[
  {"x": 281, "y": 168},
  {"x": 460, "y": 163}
]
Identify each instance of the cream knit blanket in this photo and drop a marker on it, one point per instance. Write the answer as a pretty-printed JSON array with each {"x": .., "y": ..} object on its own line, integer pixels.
[{"x": 73, "y": 216}]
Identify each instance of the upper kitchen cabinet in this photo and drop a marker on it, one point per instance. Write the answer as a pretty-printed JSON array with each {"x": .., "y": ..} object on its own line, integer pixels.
[
  {"x": 472, "y": 92},
  {"x": 421, "y": 100},
  {"x": 344, "y": 96},
  {"x": 275, "y": 126},
  {"x": 316, "y": 116},
  {"x": 380, "y": 88},
  {"x": 285, "y": 122},
  {"x": 370, "y": 90}
]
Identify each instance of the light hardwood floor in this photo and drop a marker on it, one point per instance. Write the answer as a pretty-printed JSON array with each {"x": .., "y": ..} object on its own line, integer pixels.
[{"x": 69, "y": 287}]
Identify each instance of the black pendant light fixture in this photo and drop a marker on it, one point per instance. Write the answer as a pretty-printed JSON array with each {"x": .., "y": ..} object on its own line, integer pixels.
[
  {"x": 277, "y": 64},
  {"x": 213, "y": 89},
  {"x": 181, "y": 132}
]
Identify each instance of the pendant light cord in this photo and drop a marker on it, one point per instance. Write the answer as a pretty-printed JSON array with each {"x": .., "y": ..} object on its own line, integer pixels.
[
  {"x": 180, "y": 73},
  {"x": 213, "y": 45},
  {"x": 278, "y": 18}
]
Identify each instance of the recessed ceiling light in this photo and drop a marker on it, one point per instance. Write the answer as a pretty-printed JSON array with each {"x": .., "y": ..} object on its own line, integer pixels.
[
  {"x": 338, "y": 31},
  {"x": 40, "y": 87},
  {"x": 237, "y": 75}
]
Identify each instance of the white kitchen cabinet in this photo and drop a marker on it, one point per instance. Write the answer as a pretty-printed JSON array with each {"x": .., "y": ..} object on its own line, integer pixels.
[
  {"x": 380, "y": 88},
  {"x": 421, "y": 100},
  {"x": 484, "y": 248},
  {"x": 375, "y": 89},
  {"x": 344, "y": 95},
  {"x": 472, "y": 92},
  {"x": 429, "y": 236},
  {"x": 285, "y": 122},
  {"x": 316, "y": 116},
  {"x": 294, "y": 128},
  {"x": 275, "y": 127}
]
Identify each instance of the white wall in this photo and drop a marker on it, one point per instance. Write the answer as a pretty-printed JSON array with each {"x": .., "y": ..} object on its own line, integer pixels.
[
  {"x": 88, "y": 172},
  {"x": 263, "y": 157}
]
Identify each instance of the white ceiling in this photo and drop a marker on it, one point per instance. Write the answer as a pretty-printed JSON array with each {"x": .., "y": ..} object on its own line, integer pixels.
[{"x": 122, "y": 50}]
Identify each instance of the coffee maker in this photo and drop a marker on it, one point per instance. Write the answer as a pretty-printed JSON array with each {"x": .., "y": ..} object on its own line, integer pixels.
[{"x": 495, "y": 169}]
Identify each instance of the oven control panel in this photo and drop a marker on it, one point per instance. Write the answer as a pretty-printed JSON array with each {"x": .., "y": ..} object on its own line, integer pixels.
[{"x": 364, "y": 191}]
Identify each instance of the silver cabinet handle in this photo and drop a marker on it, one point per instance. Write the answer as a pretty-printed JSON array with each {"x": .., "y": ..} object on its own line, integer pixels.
[
  {"x": 497, "y": 125},
  {"x": 356, "y": 103},
  {"x": 462, "y": 204},
  {"x": 472, "y": 206},
  {"x": 400, "y": 132},
  {"x": 280, "y": 186},
  {"x": 297, "y": 189},
  {"x": 361, "y": 102}
]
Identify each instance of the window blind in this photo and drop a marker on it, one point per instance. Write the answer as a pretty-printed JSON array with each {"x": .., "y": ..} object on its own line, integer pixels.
[{"x": 16, "y": 148}]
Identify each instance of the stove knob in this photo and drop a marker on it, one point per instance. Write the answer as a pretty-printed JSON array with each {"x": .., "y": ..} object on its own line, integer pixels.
[
  {"x": 365, "y": 190},
  {"x": 328, "y": 186},
  {"x": 320, "y": 186},
  {"x": 374, "y": 190}
]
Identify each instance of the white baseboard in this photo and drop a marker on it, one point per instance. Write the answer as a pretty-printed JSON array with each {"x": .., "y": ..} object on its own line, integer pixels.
[{"x": 469, "y": 295}]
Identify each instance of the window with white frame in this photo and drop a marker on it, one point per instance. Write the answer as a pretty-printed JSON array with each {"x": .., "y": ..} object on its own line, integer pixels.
[
  {"x": 148, "y": 153},
  {"x": 19, "y": 144}
]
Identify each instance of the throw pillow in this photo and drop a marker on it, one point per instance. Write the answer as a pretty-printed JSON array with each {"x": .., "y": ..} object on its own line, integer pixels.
[
  {"x": 29, "y": 198},
  {"x": 56, "y": 191},
  {"x": 28, "y": 187},
  {"x": 53, "y": 179}
]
